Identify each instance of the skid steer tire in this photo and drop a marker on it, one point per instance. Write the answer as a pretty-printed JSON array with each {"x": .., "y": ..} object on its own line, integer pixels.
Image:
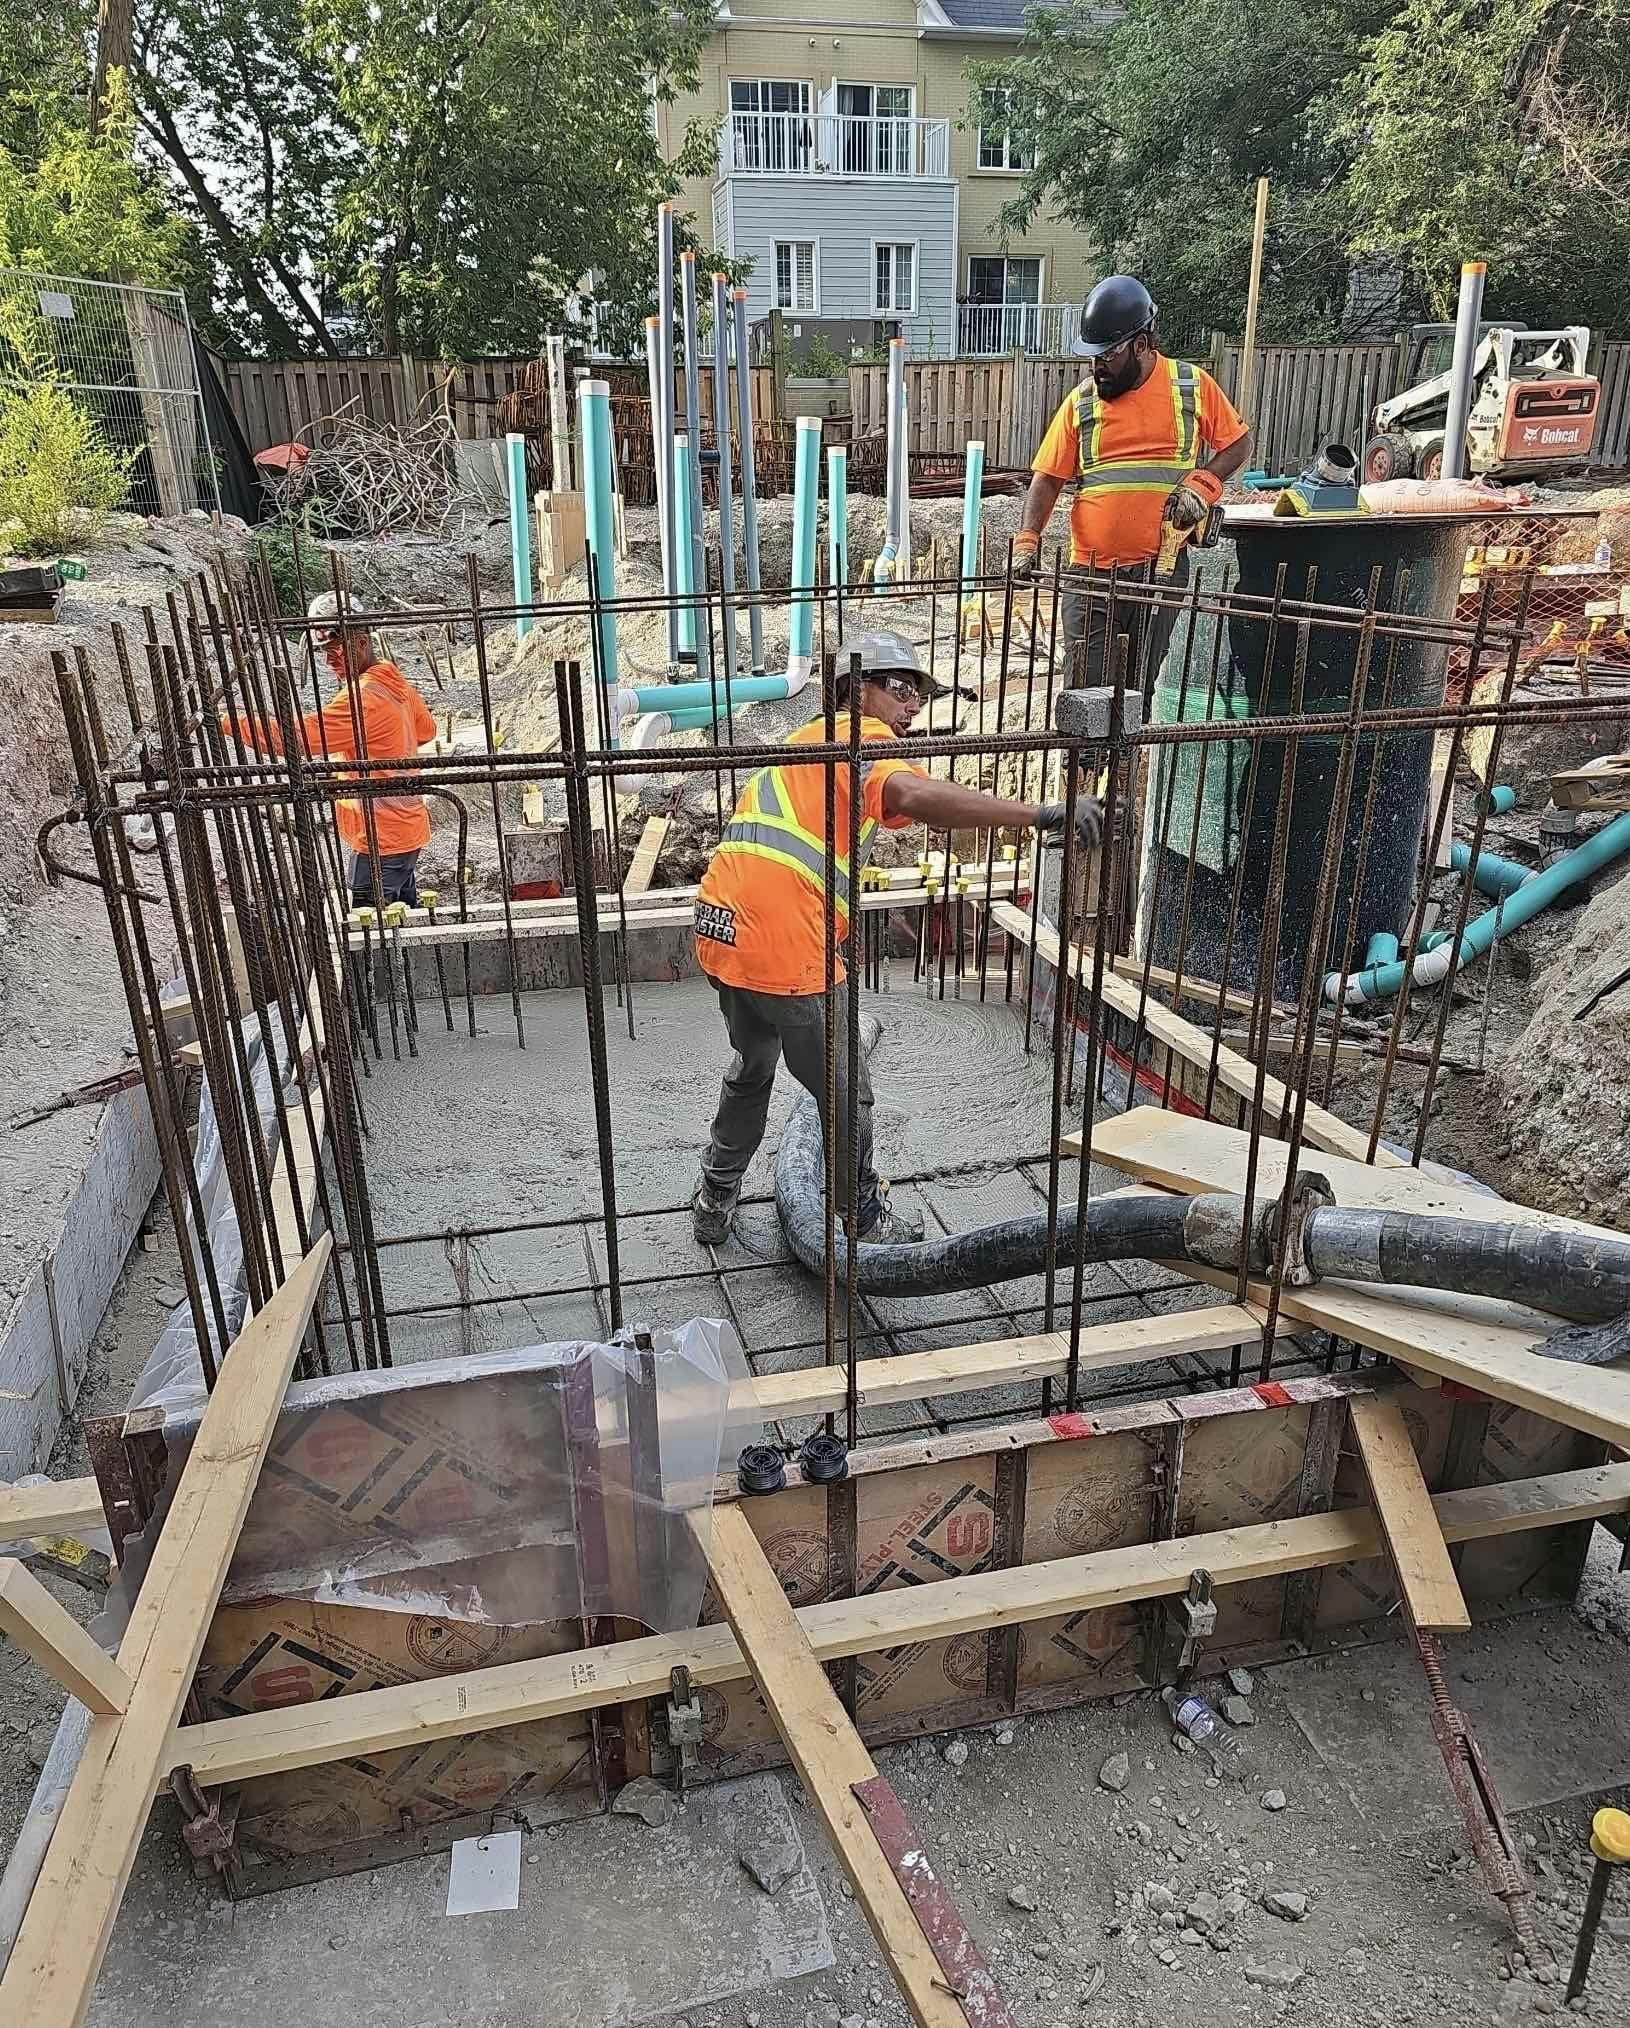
[
  {"x": 1429, "y": 459},
  {"x": 1388, "y": 456}
]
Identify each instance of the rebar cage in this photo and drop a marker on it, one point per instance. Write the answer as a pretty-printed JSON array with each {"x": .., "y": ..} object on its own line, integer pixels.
[{"x": 232, "y": 849}]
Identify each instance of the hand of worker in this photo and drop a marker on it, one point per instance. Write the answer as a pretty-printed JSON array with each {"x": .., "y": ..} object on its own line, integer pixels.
[
  {"x": 1185, "y": 508},
  {"x": 1089, "y": 822},
  {"x": 1026, "y": 553},
  {"x": 1192, "y": 499}
]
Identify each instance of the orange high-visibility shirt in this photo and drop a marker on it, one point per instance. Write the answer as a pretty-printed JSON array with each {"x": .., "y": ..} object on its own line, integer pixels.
[
  {"x": 395, "y": 724},
  {"x": 761, "y": 907},
  {"x": 1126, "y": 455}
]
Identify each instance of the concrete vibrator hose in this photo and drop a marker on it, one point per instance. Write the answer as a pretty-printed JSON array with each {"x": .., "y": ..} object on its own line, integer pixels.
[{"x": 1571, "y": 1275}]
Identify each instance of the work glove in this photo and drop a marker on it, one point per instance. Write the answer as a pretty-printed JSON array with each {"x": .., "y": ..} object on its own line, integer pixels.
[
  {"x": 1089, "y": 822},
  {"x": 1185, "y": 508},
  {"x": 1192, "y": 499},
  {"x": 1026, "y": 553}
]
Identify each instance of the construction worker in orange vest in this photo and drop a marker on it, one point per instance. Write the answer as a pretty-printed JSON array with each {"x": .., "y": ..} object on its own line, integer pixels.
[
  {"x": 1133, "y": 439},
  {"x": 761, "y": 920},
  {"x": 394, "y": 724}
]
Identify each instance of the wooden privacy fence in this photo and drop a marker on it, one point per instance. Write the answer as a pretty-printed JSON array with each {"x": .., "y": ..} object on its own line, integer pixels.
[
  {"x": 1303, "y": 396},
  {"x": 275, "y": 400}
]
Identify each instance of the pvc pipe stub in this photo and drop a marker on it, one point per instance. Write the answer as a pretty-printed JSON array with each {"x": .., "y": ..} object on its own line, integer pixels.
[
  {"x": 761, "y": 1469},
  {"x": 823, "y": 1458}
]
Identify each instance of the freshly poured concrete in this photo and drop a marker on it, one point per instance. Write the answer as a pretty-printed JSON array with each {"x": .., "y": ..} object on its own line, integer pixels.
[{"x": 484, "y": 1132}]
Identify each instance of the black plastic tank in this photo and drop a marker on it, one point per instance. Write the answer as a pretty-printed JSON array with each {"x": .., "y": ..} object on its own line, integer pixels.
[{"x": 1422, "y": 560}]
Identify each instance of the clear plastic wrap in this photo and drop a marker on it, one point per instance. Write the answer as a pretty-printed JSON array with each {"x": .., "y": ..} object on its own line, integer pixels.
[
  {"x": 174, "y": 1372},
  {"x": 510, "y": 1489}
]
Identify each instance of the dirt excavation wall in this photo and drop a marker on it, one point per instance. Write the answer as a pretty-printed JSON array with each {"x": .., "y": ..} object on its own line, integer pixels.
[{"x": 1564, "y": 1088}]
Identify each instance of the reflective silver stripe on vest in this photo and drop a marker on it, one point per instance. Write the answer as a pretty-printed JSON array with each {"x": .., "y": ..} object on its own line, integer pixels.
[
  {"x": 742, "y": 834},
  {"x": 1149, "y": 477}
]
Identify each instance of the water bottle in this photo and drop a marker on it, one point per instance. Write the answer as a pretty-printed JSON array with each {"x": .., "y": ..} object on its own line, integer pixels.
[
  {"x": 1193, "y": 1717},
  {"x": 1604, "y": 554}
]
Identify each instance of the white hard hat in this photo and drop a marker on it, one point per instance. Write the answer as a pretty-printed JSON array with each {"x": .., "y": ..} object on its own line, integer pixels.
[{"x": 882, "y": 653}]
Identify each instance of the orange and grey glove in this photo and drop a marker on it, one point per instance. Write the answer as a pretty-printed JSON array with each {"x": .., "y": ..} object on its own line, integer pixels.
[
  {"x": 1026, "y": 552},
  {"x": 1089, "y": 822},
  {"x": 1189, "y": 502}
]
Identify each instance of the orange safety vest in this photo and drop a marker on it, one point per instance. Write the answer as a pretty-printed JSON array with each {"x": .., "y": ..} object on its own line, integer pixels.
[
  {"x": 761, "y": 908},
  {"x": 401, "y": 823}
]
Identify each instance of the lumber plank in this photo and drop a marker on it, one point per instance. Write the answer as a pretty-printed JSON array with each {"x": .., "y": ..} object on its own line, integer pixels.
[
  {"x": 65, "y": 1932},
  {"x": 1163, "y": 980},
  {"x": 56, "y": 1640},
  {"x": 1236, "y": 1073},
  {"x": 826, "y": 1750},
  {"x": 1467, "y": 1339},
  {"x": 67, "y": 1507},
  {"x": 999, "y": 1362},
  {"x": 226, "y": 1750},
  {"x": 1415, "y": 1545},
  {"x": 1174, "y": 1149},
  {"x": 647, "y": 852}
]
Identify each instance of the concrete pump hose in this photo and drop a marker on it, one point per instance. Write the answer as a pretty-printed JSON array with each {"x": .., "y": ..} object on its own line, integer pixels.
[{"x": 1570, "y": 1274}]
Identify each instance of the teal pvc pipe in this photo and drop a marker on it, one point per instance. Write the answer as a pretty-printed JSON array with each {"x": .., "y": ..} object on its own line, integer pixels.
[
  {"x": 1492, "y": 875},
  {"x": 1433, "y": 938},
  {"x": 806, "y": 500},
  {"x": 973, "y": 487},
  {"x": 594, "y": 438},
  {"x": 1531, "y": 899},
  {"x": 1501, "y": 800},
  {"x": 520, "y": 528},
  {"x": 693, "y": 721},
  {"x": 689, "y": 696},
  {"x": 837, "y": 513},
  {"x": 1381, "y": 949},
  {"x": 684, "y": 552}
]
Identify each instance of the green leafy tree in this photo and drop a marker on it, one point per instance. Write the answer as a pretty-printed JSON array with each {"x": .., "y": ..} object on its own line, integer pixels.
[
  {"x": 80, "y": 206},
  {"x": 1149, "y": 136},
  {"x": 1499, "y": 130}
]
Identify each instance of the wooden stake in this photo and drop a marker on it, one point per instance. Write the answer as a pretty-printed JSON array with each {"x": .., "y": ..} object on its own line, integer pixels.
[
  {"x": 1247, "y": 358},
  {"x": 1415, "y": 1545},
  {"x": 54, "y": 1639}
]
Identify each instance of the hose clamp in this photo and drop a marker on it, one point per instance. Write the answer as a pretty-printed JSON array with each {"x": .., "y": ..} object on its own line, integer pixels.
[{"x": 1312, "y": 1193}]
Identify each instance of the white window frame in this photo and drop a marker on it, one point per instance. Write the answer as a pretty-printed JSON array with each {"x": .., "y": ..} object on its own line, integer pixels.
[
  {"x": 1005, "y": 259},
  {"x": 882, "y": 310},
  {"x": 812, "y": 241},
  {"x": 1007, "y": 166},
  {"x": 804, "y": 112},
  {"x": 852, "y": 84}
]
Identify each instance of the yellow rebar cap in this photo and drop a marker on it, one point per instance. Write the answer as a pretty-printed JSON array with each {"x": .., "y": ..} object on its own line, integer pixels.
[{"x": 1610, "y": 1836}]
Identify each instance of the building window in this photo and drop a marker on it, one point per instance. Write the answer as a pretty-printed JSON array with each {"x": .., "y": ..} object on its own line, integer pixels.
[
  {"x": 1004, "y": 278},
  {"x": 769, "y": 124},
  {"x": 894, "y": 268},
  {"x": 795, "y": 285},
  {"x": 998, "y": 146},
  {"x": 874, "y": 129}
]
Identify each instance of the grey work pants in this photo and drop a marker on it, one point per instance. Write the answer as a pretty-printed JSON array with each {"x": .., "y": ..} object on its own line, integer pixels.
[
  {"x": 764, "y": 1028},
  {"x": 1090, "y": 626}
]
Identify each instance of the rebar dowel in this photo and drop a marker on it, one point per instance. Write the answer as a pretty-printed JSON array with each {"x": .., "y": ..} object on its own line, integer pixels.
[{"x": 569, "y": 704}]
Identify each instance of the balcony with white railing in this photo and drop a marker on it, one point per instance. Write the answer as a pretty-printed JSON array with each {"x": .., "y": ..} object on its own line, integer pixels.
[
  {"x": 986, "y": 330},
  {"x": 834, "y": 144}
]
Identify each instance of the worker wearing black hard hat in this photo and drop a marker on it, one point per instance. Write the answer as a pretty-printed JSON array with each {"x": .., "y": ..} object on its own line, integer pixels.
[{"x": 1148, "y": 442}]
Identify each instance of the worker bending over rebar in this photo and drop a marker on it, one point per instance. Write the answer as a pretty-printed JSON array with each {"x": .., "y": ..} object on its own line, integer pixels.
[{"x": 761, "y": 923}]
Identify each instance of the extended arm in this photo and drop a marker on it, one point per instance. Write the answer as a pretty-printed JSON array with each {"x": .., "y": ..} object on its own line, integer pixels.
[
  {"x": 1222, "y": 465},
  {"x": 947, "y": 806}
]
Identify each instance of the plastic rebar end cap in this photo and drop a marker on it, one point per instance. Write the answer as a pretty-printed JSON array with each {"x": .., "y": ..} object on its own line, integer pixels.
[{"x": 1610, "y": 1836}]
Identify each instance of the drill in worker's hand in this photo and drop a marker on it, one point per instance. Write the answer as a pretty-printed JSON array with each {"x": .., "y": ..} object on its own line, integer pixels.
[{"x": 1191, "y": 512}]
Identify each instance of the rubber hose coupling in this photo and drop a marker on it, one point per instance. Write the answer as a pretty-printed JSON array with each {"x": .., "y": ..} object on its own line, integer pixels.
[
  {"x": 761, "y": 1469},
  {"x": 823, "y": 1459}
]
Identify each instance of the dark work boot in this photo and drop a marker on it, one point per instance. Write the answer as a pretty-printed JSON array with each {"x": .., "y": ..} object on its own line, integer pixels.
[{"x": 711, "y": 1217}]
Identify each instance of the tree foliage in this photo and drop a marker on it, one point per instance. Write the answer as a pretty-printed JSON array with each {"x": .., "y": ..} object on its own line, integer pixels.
[
  {"x": 59, "y": 476},
  {"x": 1499, "y": 130},
  {"x": 78, "y": 206},
  {"x": 446, "y": 173},
  {"x": 1407, "y": 134},
  {"x": 1150, "y": 136}
]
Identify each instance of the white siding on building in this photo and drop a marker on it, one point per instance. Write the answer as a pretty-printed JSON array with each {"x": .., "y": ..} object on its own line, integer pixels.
[{"x": 846, "y": 218}]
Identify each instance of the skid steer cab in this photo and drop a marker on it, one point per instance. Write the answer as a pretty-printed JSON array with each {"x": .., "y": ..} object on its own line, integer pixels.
[{"x": 1533, "y": 406}]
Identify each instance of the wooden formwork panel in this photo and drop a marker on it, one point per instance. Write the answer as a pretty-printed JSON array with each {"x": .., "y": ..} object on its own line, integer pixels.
[{"x": 475, "y": 1440}]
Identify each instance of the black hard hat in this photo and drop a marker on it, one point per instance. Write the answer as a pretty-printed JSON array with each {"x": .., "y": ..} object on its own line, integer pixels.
[{"x": 1118, "y": 308}]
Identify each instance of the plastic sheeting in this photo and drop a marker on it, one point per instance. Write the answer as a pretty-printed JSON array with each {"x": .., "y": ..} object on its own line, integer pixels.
[
  {"x": 549, "y": 1483},
  {"x": 174, "y": 1372}
]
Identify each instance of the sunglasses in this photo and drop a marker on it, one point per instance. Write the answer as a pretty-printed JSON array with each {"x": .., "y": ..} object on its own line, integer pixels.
[{"x": 904, "y": 689}]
